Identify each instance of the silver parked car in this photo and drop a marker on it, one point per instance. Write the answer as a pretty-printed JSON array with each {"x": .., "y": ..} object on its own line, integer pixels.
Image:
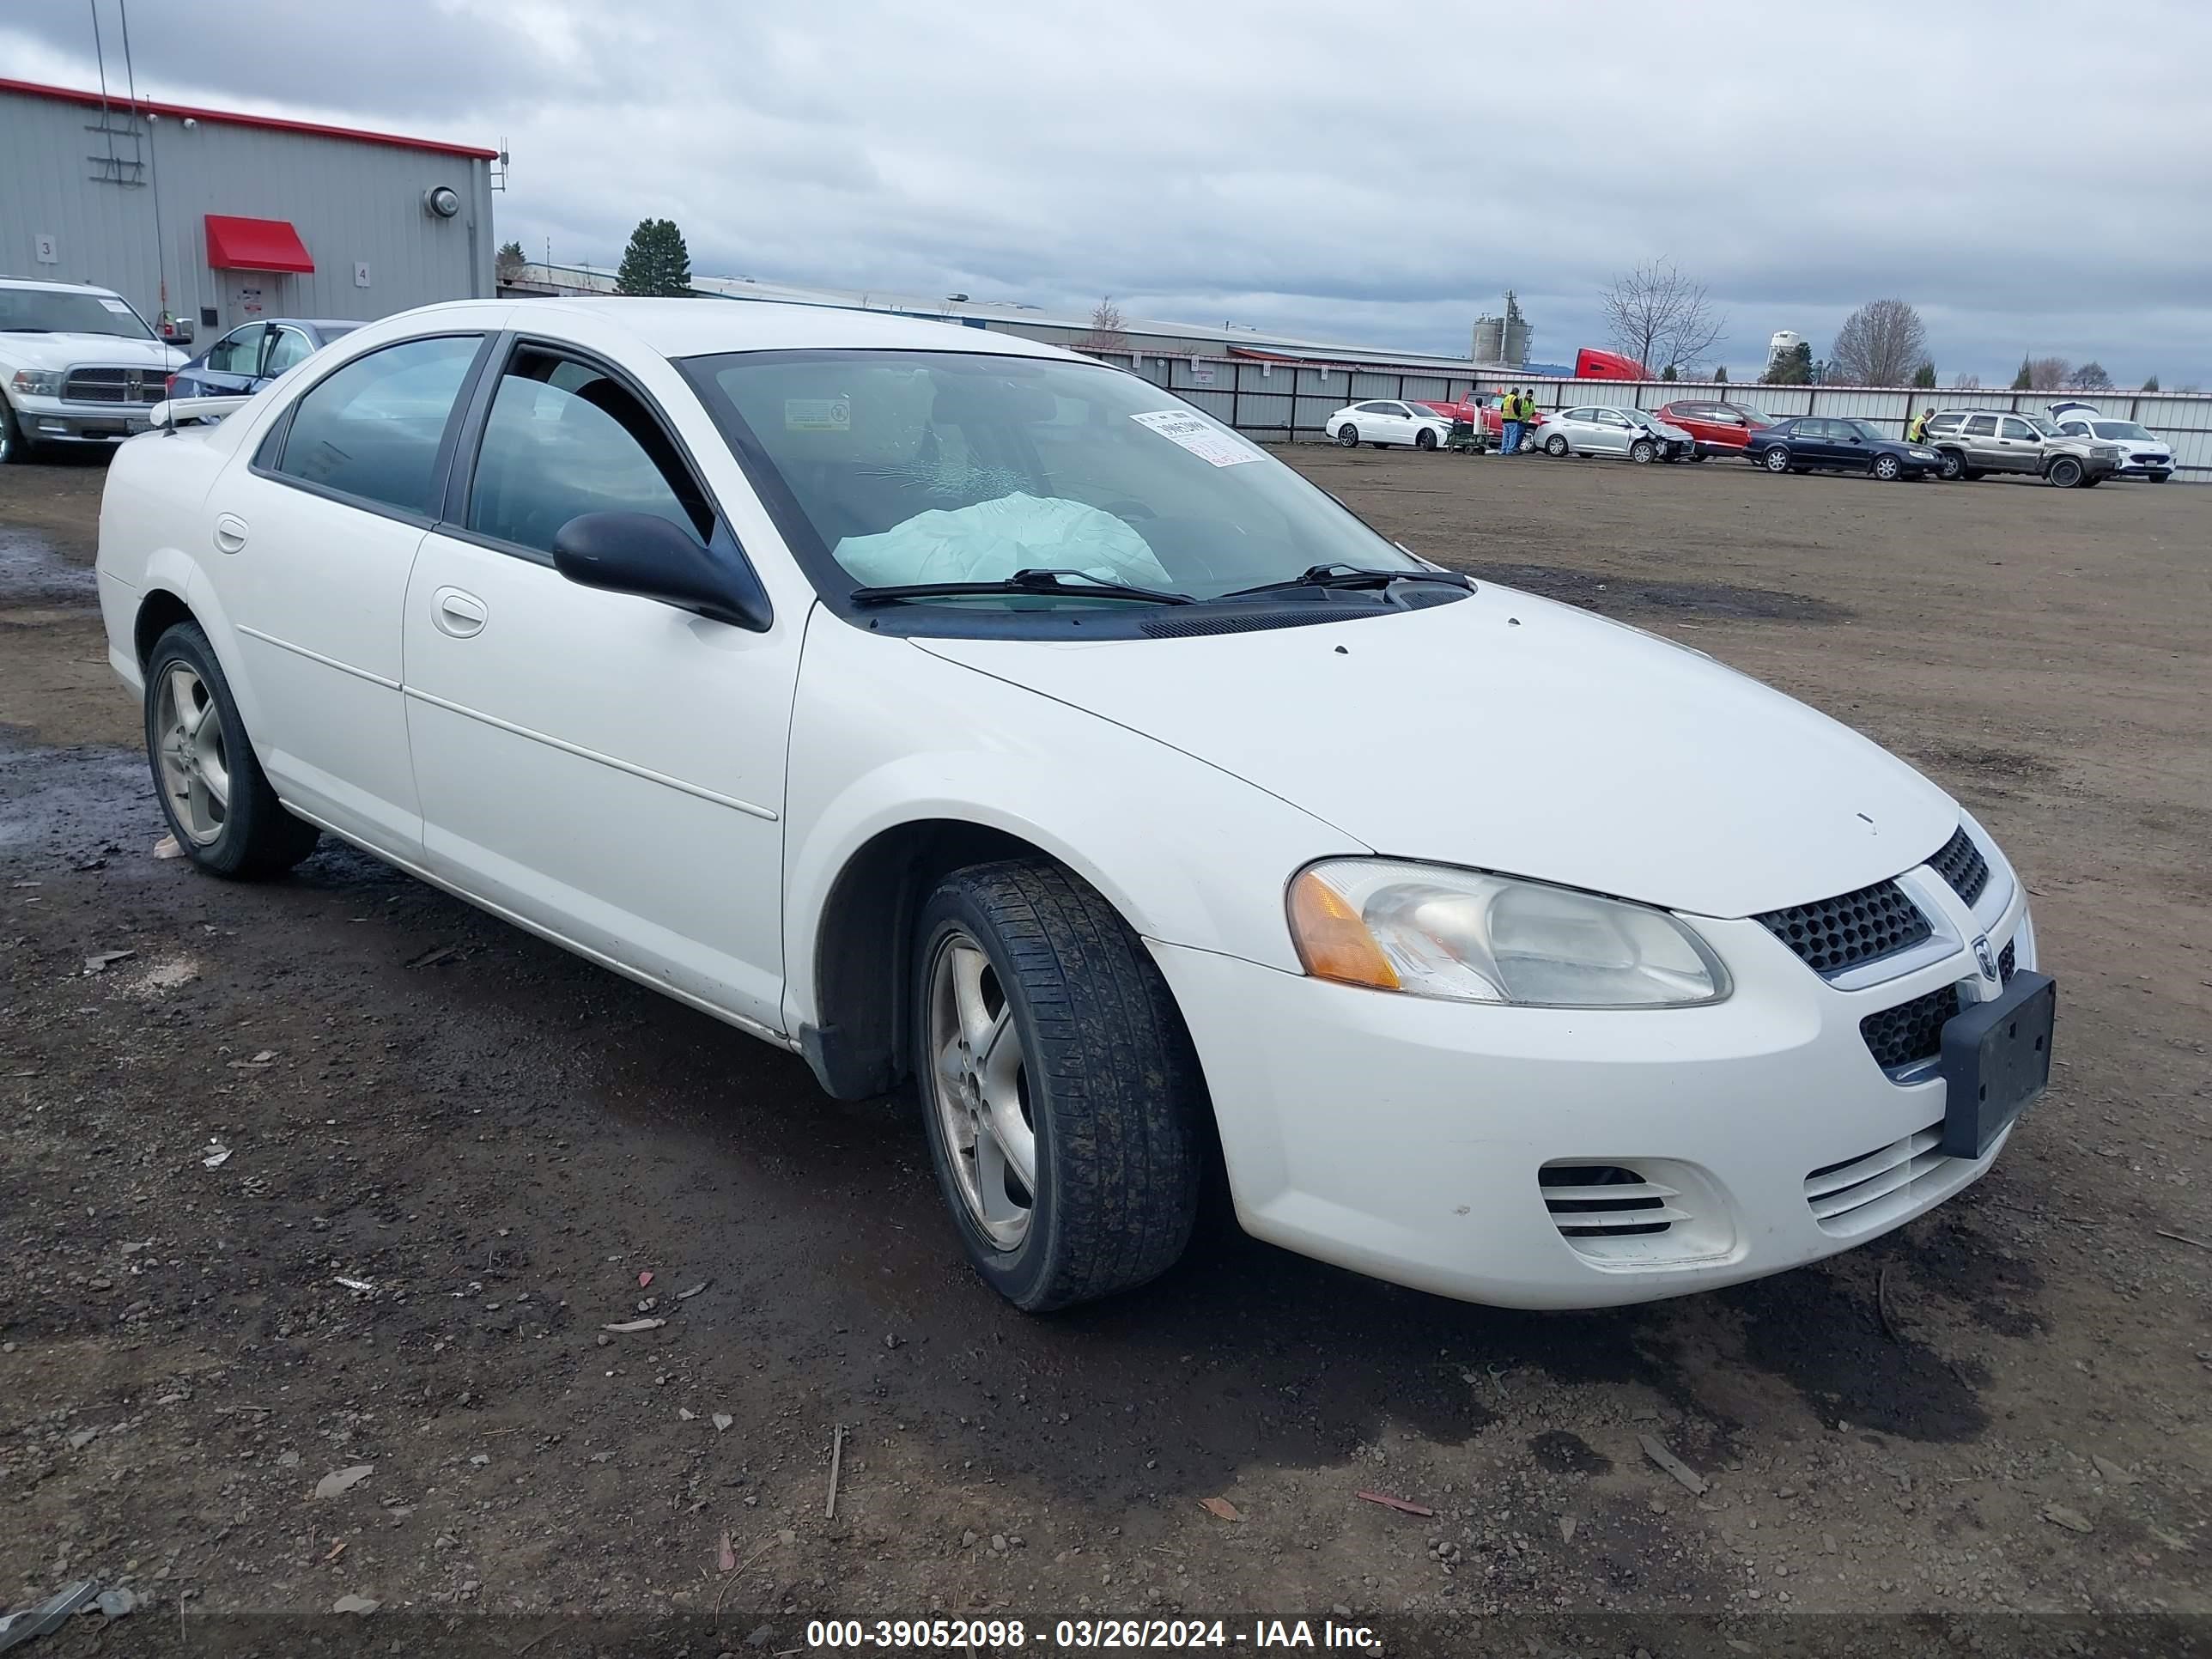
[
  {"x": 1972, "y": 441},
  {"x": 1637, "y": 434}
]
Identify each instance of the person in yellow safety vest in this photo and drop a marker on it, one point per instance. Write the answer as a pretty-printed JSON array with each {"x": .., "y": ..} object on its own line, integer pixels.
[
  {"x": 1509, "y": 422},
  {"x": 1918, "y": 434}
]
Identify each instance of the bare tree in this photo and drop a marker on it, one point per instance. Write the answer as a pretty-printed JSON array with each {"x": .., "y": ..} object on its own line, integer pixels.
[
  {"x": 1106, "y": 328},
  {"x": 1657, "y": 315},
  {"x": 1881, "y": 344},
  {"x": 2042, "y": 374},
  {"x": 2090, "y": 377},
  {"x": 1966, "y": 383}
]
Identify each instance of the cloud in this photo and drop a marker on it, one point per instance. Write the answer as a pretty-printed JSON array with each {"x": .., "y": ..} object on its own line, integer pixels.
[{"x": 1371, "y": 174}]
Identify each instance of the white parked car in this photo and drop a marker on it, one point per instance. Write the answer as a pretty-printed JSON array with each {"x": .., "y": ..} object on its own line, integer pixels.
[
  {"x": 1382, "y": 422},
  {"x": 1635, "y": 435},
  {"x": 2143, "y": 453},
  {"x": 974, "y": 715},
  {"x": 77, "y": 366}
]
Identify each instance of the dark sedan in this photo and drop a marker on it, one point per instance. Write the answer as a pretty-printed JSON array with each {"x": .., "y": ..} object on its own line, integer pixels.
[
  {"x": 1808, "y": 443},
  {"x": 253, "y": 355}
]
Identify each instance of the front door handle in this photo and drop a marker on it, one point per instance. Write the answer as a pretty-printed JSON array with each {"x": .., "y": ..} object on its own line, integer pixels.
[
  {"x": 459, "y": 614},
  {"x": 230, "y": 531}
]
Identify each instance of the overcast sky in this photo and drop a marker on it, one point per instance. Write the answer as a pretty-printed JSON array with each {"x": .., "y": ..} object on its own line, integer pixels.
[{"x": 2035, "y": 176}]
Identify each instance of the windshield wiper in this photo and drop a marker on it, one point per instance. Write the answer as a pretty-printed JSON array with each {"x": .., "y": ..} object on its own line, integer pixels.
[
  {"x": 1022, "y": 581},
  {"x": 1340, "y": 574}
]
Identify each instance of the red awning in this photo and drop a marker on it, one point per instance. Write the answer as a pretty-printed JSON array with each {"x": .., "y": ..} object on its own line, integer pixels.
[{"x": 235, "y": 244}]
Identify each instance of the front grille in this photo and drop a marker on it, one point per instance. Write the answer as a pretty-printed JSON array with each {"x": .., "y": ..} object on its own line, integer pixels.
[
  {"x": 1910, "y": 1032},
  {"x": 1879, "y": 1187},
  {"x": 1833, "y": 934},
  {"x": 115, "y": 386},
  {"x": 1961, "y": 864}
]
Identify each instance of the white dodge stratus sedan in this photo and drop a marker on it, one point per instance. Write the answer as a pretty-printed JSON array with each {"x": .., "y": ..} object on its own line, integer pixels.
[{"x": 948, "y": 707}]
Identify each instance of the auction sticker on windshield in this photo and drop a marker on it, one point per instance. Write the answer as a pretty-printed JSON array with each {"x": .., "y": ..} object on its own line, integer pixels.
[
  {"x": 816, "y": 415},
  {"x": 1208, "y": 443}
]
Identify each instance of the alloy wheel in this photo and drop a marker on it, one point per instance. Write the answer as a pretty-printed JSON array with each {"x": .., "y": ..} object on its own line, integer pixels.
[
  {"x": 194, "y": 754},
  {"x": 979, "y": 1086},
  {"x": 1778, "y": 459}
]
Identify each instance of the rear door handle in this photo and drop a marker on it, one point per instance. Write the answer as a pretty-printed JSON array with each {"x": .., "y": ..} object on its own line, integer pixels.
[
  {"x": 457, "y": 613},
  {"x": 230, "y": 531}
]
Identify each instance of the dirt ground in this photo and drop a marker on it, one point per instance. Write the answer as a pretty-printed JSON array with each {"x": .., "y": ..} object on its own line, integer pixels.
[{"x": 455, "y": 1153}]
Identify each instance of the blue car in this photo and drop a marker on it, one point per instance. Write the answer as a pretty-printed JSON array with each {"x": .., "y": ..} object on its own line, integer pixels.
[
  {"x": 253, "y": 355},
  {"x": 1808, "y": 443}
]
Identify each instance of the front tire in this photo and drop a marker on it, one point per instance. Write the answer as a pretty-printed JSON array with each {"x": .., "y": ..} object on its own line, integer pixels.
[
  {"x": 1643, "y": 452},
  {"x": 1887, "y": 468},
  {"x": 1950, "y": 467},
  {"x": 2064, "y": 473},
  {"x": 1347, "y": 435},
  {"x": 1556, "y": 447},
  {"x": 1776, "y": 460},
  {"x": 1061, "y": 1095},
  {"x": 1424, "y": 439},
  {"x": 213, "y": 792},
  {"x": 13, "y": 446}
]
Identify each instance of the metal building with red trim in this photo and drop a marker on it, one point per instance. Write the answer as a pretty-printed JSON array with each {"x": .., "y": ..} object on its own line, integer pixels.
[{"x": 214, "y": 217}]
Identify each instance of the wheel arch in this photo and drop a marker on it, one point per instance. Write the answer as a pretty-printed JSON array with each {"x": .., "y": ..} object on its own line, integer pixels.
[{"x": 857, "y": 1042}]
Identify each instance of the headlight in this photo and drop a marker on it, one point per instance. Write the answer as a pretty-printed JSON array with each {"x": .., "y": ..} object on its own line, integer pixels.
[
  {"x": 38, "y": 382},
  {"x": 1922, "y": 454},
  {"x": 1433, "y": 931}
]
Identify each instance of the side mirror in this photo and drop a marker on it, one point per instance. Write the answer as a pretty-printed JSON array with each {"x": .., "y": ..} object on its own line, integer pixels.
[{"x": 654, "y": 558}]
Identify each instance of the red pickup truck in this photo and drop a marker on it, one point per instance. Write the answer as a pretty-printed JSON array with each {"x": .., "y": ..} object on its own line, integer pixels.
[{"x": 1481, "y": 409}]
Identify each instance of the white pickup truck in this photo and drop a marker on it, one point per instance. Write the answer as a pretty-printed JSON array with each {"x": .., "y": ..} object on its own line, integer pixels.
[{"x": 77, "y": 366}]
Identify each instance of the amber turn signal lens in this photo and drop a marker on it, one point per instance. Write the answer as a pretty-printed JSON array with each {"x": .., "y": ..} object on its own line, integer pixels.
[{"x": 1333, "y": 942}]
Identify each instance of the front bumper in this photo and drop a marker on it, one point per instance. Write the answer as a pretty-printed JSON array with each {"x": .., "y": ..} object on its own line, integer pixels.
[
  {"x": 1403, "y": 1137},
  {"x": 52, "y": 421}
]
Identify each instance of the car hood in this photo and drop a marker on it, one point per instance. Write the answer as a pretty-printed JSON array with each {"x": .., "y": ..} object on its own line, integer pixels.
[
  {"x": 61, "y": 351},
  {"x": 1509, "y": 733}
]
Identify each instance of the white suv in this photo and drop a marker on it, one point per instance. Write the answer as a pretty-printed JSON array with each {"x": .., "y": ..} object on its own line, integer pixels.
[
  {"x": 2143, "y": 453},
  {"x": 77, "y": 365}
]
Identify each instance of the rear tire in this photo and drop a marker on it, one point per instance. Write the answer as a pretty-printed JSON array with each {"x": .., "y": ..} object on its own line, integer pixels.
[
  {"x": 1776, "y": 460},
  {"x": 2064, "y": 473},
  {"x": 1103, "y": 1094},
  {"x": 1347, "y": 435},
  {"x": 1555, "y": 447},
  {"x": 217, "y": 801},
  {"x": 1378, "y": 445}
]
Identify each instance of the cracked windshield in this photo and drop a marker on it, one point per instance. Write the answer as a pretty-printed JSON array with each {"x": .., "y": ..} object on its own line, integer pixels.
[{"x": 931, "y": 467}]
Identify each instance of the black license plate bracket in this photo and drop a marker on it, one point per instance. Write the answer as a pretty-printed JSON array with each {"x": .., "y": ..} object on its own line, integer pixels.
[{"x": 1996, "y": 1061}]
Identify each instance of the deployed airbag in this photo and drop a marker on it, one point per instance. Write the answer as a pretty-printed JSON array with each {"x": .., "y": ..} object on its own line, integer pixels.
[{"x": 991, "y": 540}]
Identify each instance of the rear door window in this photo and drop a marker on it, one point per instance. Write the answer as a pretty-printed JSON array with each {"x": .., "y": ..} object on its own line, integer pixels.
[
  {"x": 287, "y": 347},
  {"x": 1982, "y": 426},
  {"x": 374, "y": 428}
]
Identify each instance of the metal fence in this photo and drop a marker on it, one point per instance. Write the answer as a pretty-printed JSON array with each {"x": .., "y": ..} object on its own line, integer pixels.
[{"x": 1288, "y": 402}]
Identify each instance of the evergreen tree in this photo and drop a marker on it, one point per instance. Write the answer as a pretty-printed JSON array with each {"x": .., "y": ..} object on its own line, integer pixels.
[
  {"x": 2151, "y": 385},
  {"x": 1924, "y": 376},
  {"x": 2025, "y": 380},
  {"x": 1720, "y": 374},
  {"x": 656, "y": 261},
  {"x": 1793, "y": 367}
]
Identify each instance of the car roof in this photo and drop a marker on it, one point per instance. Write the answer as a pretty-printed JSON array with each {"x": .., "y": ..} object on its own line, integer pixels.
[
  {"x": 698, "y": 327},
  {"x": 57, "y": 287}
]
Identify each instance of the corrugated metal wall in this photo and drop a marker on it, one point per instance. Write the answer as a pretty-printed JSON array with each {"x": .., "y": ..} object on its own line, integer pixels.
[{"x": 351, "y": 202}]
